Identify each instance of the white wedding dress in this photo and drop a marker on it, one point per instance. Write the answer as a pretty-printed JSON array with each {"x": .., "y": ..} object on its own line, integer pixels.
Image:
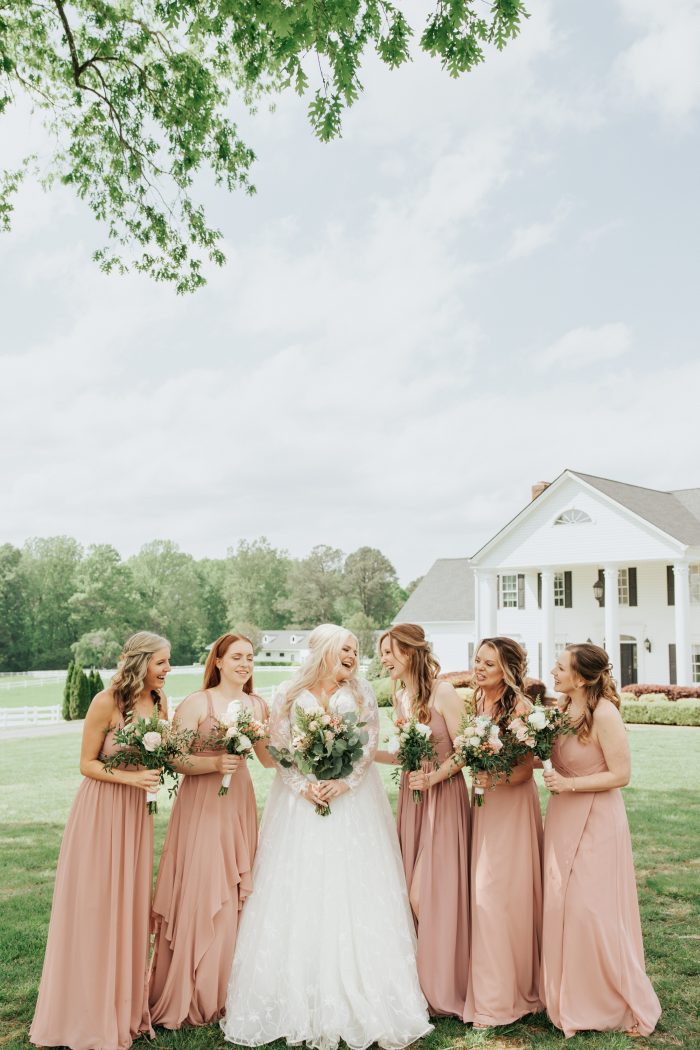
[{"x": 326, "y": 945}]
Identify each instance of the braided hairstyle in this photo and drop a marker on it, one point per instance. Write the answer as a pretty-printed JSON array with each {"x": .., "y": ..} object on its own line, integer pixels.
[
  {"x": 512, "y": 662},
  {"x": 423, "y": 668},
  {"x": 592, "y": 664}
]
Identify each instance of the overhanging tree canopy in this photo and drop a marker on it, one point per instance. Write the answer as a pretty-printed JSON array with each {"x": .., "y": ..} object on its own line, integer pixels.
[{"x": 137, "y": 97}]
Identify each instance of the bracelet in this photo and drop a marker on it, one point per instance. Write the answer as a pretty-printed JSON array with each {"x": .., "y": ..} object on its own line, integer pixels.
[{"x": 573, "y": 783}]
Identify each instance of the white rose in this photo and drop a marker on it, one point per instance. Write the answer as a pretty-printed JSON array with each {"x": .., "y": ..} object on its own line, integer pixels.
[
  {"x": 423, "y": 729},
  {"x": 231, "y": 732},
  {"x": 234, "y": 709},
  {"x": 313, "y": 726},
  {"x": 393, "y": 745},
  {"x": 537, "y": 719},
  {"x": 151, "y": 741},
  {"x": 474, "y": 741},
  {"x": 244, "y": 743}
]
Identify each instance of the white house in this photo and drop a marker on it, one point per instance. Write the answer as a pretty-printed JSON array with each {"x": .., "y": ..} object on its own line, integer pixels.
[
  {"x": 587, "y": 558},
  {"x": 289, "y": 647}
]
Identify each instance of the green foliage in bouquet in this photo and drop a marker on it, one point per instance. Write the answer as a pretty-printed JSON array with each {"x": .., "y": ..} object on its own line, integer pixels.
[{"x": 155, "y": 744}]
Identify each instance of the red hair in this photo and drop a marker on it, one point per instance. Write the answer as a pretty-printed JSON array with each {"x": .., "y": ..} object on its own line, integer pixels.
[{"x": 212, "y": 674}]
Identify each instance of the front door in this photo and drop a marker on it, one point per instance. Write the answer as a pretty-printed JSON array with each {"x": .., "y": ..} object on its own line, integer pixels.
[{"x": 628, "y": 663}]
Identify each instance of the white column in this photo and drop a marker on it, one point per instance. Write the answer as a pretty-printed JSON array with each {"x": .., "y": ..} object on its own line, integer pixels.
[
  {"x": 612, "y": 620},
  {"x": 547, "y": 623},
  {"x": 684, "y": 672},
  {"x": 486, "y": 605}
]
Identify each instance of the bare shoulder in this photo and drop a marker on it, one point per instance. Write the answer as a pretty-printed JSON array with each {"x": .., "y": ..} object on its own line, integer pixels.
[
  {"x": 193, "y": 704},
  {"x": 446, "y": 695},
  {"x": 523, "y": 707},
  {"x": 606, "y": 714},
  {"x": 103, "y": 704}
]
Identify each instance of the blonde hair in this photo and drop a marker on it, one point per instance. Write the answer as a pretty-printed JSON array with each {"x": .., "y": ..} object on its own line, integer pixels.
[
  {"x": 592, "y": 663},
  {"x": 512, "y": 662},
  {"x": 325, "y": 645},
  {"x": 127, "y": 683},
  {"x": 423, "y": 668}
]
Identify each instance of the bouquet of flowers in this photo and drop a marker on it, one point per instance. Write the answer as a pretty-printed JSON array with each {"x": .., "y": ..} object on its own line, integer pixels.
[
  {"x": 238, "y": 732},
  {"x": 324, "y": 746},
  {"x": 153, "y": 743},
  {"x": 536, "y": 732},
  {"x": 412, "y": 746},
  {"x": 480, "y": 746}
]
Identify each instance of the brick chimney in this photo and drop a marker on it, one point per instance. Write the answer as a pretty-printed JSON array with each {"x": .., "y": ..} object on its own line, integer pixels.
[{"x": 538, "y": 488}]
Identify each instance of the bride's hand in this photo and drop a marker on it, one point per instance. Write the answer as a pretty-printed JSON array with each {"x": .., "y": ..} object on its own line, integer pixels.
[
  {"x": 328, "y": 789},
  {"x": 311, "y": 794}
]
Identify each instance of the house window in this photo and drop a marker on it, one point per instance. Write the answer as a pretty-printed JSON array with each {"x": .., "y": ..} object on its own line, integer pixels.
[
  {"x": 696, "y": 664},
  {"x": 281, "y": 654},
  {"x": 509, "y": 591},
  {"x": 573, "y": 516},
  {"x": 559, "y": 588},
  {"x": 694, "y": 584},
  {"x": 268, "y": 654},
  {"x": 627, "y": 586},
  {"x": 559, "y": 648}
]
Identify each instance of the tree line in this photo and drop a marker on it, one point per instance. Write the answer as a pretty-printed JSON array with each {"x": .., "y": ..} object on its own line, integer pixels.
[{"x": 60, "y": 601}]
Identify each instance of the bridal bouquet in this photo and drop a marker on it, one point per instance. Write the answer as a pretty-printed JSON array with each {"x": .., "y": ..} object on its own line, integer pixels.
[
  {"x": 155, "y": 744},
  {"x": 412, "y": 746},
  {"x": 536, "y": 732},
  {"x": 238, "y": 732},
  {"x": 324, "y": 746},
  {"x": 480, "y": 746}
]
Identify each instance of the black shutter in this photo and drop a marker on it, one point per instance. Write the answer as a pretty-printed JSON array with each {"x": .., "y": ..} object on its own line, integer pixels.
[
  {"x": 601, "y": 579},
  {"x": 498, "y": 592},
  {"x": 632, "y": 586},
  {"x": 539, "y": 590},
  {"x": 672, "y": 675},
  {"x": 670, "y": 588},
  {"x": 567, "y": 590},
  {"x": 521, "y": 590}
]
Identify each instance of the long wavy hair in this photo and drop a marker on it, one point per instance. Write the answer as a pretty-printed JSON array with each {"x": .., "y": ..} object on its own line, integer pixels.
[
  {"x": 512, "y": 662},
  {"x": 212, "y": 674},
  {"x": 423, "y": 668},
  {"x": 128, "y": 680},
  {"x": 325, "y": 645},
  {"x": 592, "y": 663}
]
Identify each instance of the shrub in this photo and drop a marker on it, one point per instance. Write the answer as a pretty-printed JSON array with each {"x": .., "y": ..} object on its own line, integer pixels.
[
  {"x": 65, "y": 707},
  {"x": 673, "y": 692},
  {"x": 684, "y": 712},
  {"x": 383, "y": 688},
  {"x": 645, "y": 698}
]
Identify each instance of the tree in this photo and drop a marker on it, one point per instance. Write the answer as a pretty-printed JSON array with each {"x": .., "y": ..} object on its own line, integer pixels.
[
  {"x": 371, "y": 583},
  {"x": 97, "y": 649},
  {"x": 77, "y": 692},
  {"x": 316, "y": 587},
  {"x": 136, "y": 98},
  {"x": 105, "y": 596},
  {"x": 171, "y": 589},
  {"x": 95, "y": 682},
  {"x": 213, "y": 574},
  {"x": 364, "y": 630},
  {"x": 67, "y": 692},
  {"x": 257, "y": 581},
  {"x": 15, "y": 631},
  {"x": 50, "y": 567}
]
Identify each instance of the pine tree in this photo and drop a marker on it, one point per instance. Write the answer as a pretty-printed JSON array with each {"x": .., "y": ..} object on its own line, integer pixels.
[
  {"x": 74, "y": 698},
  {"x": 65, "y": 709},
  {"x": 84, "y": 695},
  {"x": 96, "y": 683}
]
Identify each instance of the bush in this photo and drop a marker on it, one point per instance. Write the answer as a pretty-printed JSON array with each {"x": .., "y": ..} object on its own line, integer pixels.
[
  {"x": 67, "y": 689},
  {"x": 673, "y": 692},
  {"x": 644, "y": 698},
  {"x": 383, "y": 690},
  {"x": 659, "y": 712}
]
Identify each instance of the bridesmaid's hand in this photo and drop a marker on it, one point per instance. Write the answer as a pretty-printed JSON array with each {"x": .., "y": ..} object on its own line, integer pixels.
[
  {"x": 226, "y": 763},
  {"x": 556, "y": 783},
  {"x": 483, "y": 780},
  {"x": 419, "y": 780},
  {"x": 328, "y": 789},
  {"x": 147, "y": 779}
]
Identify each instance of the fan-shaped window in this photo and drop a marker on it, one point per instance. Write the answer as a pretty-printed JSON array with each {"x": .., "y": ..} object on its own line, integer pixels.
[{"x": 573, "y": 516}]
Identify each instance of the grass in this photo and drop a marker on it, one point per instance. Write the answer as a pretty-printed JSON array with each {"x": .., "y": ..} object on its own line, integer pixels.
[
  {"x": 25, "y": 692},
  {"x": 38, "y": 779}
]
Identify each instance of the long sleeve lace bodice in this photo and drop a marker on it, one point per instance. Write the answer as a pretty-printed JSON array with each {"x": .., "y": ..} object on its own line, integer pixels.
[{"x": 342, "y": 702}]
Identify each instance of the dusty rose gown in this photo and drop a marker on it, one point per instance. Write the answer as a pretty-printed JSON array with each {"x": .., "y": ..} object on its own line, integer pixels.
[
  {"x": 434, "y": 835},
  {"x": 93, "y": 990},
  {"x": 593, "y": 974},
  {"x": 506, "y": 906},
  {"x": 204, "y": 878}
]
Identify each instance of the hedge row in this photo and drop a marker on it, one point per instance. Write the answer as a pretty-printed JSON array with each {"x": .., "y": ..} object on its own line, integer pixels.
[
  {"x": 661, "y": 713},
  {"x": 671, "y": 692}
]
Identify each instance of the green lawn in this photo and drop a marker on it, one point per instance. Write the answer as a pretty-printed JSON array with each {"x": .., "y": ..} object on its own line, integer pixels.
[
  {"x": 16, "y": 692},
  {"x": 38, "y": 779}
]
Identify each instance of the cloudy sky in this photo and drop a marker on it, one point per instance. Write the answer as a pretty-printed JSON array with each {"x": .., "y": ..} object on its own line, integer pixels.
[{"x": 483, "y": 282}]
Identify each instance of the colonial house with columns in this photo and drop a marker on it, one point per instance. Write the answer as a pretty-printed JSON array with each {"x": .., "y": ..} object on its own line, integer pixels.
[{"x": 586, "y": 559}]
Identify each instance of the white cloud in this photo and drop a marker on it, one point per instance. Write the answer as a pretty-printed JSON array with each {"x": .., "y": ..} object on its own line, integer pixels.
[
  {"x": 585, "y": 346},
  {"x": 661, "y": 66}
]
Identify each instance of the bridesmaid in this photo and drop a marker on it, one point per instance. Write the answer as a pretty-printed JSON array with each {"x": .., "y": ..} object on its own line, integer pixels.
[
  {"x": 93, "y": 987},
  {"x": 207, "y": 861},
  {"x": 506, "y": 865},
  {"x": 593, "y": 974},
  {"x": 434, "y": 835}
]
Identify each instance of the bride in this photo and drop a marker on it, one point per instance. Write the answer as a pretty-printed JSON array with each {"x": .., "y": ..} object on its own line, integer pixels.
[{"x": 326, "y": 944}]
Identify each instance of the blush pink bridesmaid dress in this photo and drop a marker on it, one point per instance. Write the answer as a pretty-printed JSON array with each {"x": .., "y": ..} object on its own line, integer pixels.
[
  {"x": 204, "y": 878},
  {"x": 434, "y": 838},
  {"x": 93, "y": 991},
  {"x": 593, "y": 974},
  {"x": 506, "y": 906}
]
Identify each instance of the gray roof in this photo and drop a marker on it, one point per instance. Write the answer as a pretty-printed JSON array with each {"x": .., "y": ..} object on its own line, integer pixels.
[
  {"x": 677, "y": 513},
  {"x": 446, "y": 592}
]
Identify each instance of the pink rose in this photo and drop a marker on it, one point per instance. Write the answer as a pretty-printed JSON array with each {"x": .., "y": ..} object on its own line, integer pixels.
[
  {"x": 152, "y": 740},
  {"x": 494, "y": 744}
]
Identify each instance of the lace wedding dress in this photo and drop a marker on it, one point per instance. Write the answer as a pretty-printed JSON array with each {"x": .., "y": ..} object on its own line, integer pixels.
[{"x": 326, "y": 944}]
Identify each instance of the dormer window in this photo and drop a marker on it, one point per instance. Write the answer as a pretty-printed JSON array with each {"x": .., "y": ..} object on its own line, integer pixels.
[{"x": 573, "y": 516}]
